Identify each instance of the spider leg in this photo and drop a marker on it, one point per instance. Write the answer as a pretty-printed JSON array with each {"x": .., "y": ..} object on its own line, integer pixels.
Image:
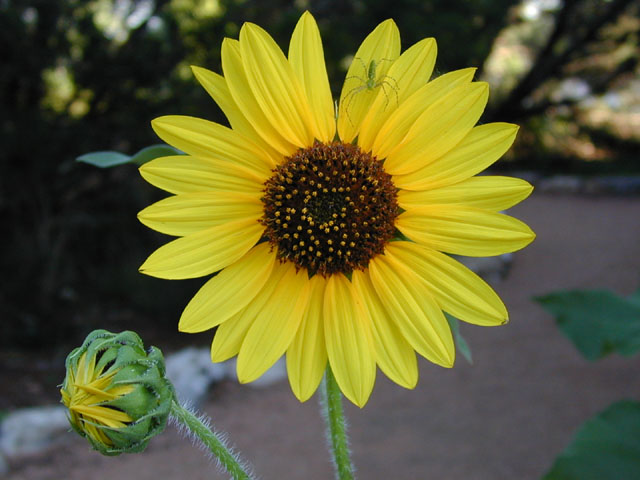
[
  {"x": 385, "y": 60},
  {"x": 386, "y": 95},
  {"x": 395, "y": 90},
  {"x": 350, "y": 96},
  {"x": 364, "y": 66},
  {"x": 386, "y": 78},
  {"x": 362, "y": 79}
]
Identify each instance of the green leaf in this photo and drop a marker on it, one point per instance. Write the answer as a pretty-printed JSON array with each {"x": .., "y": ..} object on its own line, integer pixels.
[
  {"x": 104, "y": 159},
  {"x": 107, "y": 159},
  {"x": 154, "y": 151},
  {"x": 634, "y": 298},
  {"x": 461, "y": 343},
  {"x": 598, "y": 322},
  {"x": 606, "y": 447}
]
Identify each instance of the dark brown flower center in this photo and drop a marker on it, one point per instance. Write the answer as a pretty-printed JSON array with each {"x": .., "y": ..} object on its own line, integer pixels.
[{"x": 329, "y": 208}]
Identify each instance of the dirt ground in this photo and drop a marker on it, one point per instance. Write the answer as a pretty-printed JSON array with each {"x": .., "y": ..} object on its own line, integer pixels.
[{"x": 504, "y": 417}]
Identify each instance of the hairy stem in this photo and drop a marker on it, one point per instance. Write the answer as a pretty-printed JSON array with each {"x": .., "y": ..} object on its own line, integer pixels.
[
  {"x": 336, "y": 428},
  {"x": 230, "y": 462}
]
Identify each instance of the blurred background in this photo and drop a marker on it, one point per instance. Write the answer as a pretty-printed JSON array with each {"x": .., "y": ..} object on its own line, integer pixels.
[{"x": 80, "y": 76}]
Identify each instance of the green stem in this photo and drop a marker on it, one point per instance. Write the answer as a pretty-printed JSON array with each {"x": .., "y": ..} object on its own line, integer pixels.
[
  {"x": 336, "y": 428},
  {"x": 228, "y": 460}
]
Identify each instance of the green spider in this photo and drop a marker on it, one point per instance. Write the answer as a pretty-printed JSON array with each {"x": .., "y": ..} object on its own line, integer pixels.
[{"x": 370, "y": 83}]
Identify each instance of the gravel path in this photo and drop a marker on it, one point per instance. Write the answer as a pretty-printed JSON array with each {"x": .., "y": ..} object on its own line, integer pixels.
[{"x": 504, "y": 417}]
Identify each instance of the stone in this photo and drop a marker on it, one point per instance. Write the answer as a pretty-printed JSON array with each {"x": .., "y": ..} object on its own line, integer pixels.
[
  {"x": 4, "y": 466},
  {"x": 192, "y": 373},
  {"x": 31, "y": 430},
  {"x": 275, "y": 374}
]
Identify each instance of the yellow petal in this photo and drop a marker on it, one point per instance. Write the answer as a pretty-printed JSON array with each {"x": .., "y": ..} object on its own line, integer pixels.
[
  {"x": 482, "y": 146},
  {"x": 203, "y": 252},
  {"x": 230, "y": 334},
  {"x": 490, "y": 193},
  {"x": 96, "y": 433},
  {"x": 205, "y": 139},
  {"x": 395, "y": 129},
  {"x": 394, "y": 354},
  {"x": 121, "y": 390},
  {"x": 240, "y": 90},
  {"x": 216, "y": 87},
  {"x": 349, "y": 340},
  {"x": 382, "y": 46},
  {"x": 229, "y": 291},
  {"x": 455, "y": 288},
  {"x": 307, "y": 354},
  {"x": 107, "y": 416},
  {"x": 192, "y": 212},
  {"x": 413, "y": 310},
  {"x": 306, "y": 57},
  {"x": 464, "y": 230},
  {"x": 187, "y": 174},
  {"x": 275, "y": 86},
  {"x": 406, "y": 75},
  {"x": 439, "y": 129},
  {"x": 275, "y": 326}
]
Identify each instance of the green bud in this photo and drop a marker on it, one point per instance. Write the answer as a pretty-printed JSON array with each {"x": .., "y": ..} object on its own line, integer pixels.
[{"x": 116, "y": 392}]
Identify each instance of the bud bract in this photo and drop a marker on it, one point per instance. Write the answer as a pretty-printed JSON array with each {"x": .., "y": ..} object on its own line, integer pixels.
[{"x": 116, "y": 392}]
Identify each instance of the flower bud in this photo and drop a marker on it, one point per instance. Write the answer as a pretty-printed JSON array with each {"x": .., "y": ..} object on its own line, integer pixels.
[{"x": 116, "y": 392}]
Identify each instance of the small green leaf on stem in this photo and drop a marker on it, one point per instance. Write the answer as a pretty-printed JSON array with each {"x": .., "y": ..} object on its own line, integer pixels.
[
  {"x": 461, "y": 343},
  {"x": 106, "y": 159}
]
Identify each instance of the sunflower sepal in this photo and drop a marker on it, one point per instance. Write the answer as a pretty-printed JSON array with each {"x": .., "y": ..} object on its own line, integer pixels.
[{"x": 116, "y": 392}]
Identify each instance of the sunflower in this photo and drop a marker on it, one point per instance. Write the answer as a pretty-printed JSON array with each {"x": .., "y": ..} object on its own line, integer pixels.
[{"x": 329, "y": 231}]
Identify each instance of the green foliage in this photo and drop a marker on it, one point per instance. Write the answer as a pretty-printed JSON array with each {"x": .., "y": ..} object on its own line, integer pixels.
[
  {"x": 461, "y": 343},
  {"x": 607, "y": 447},
  {"x": 111, "y": 158},
  {"x": 598, "y": 322}
]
